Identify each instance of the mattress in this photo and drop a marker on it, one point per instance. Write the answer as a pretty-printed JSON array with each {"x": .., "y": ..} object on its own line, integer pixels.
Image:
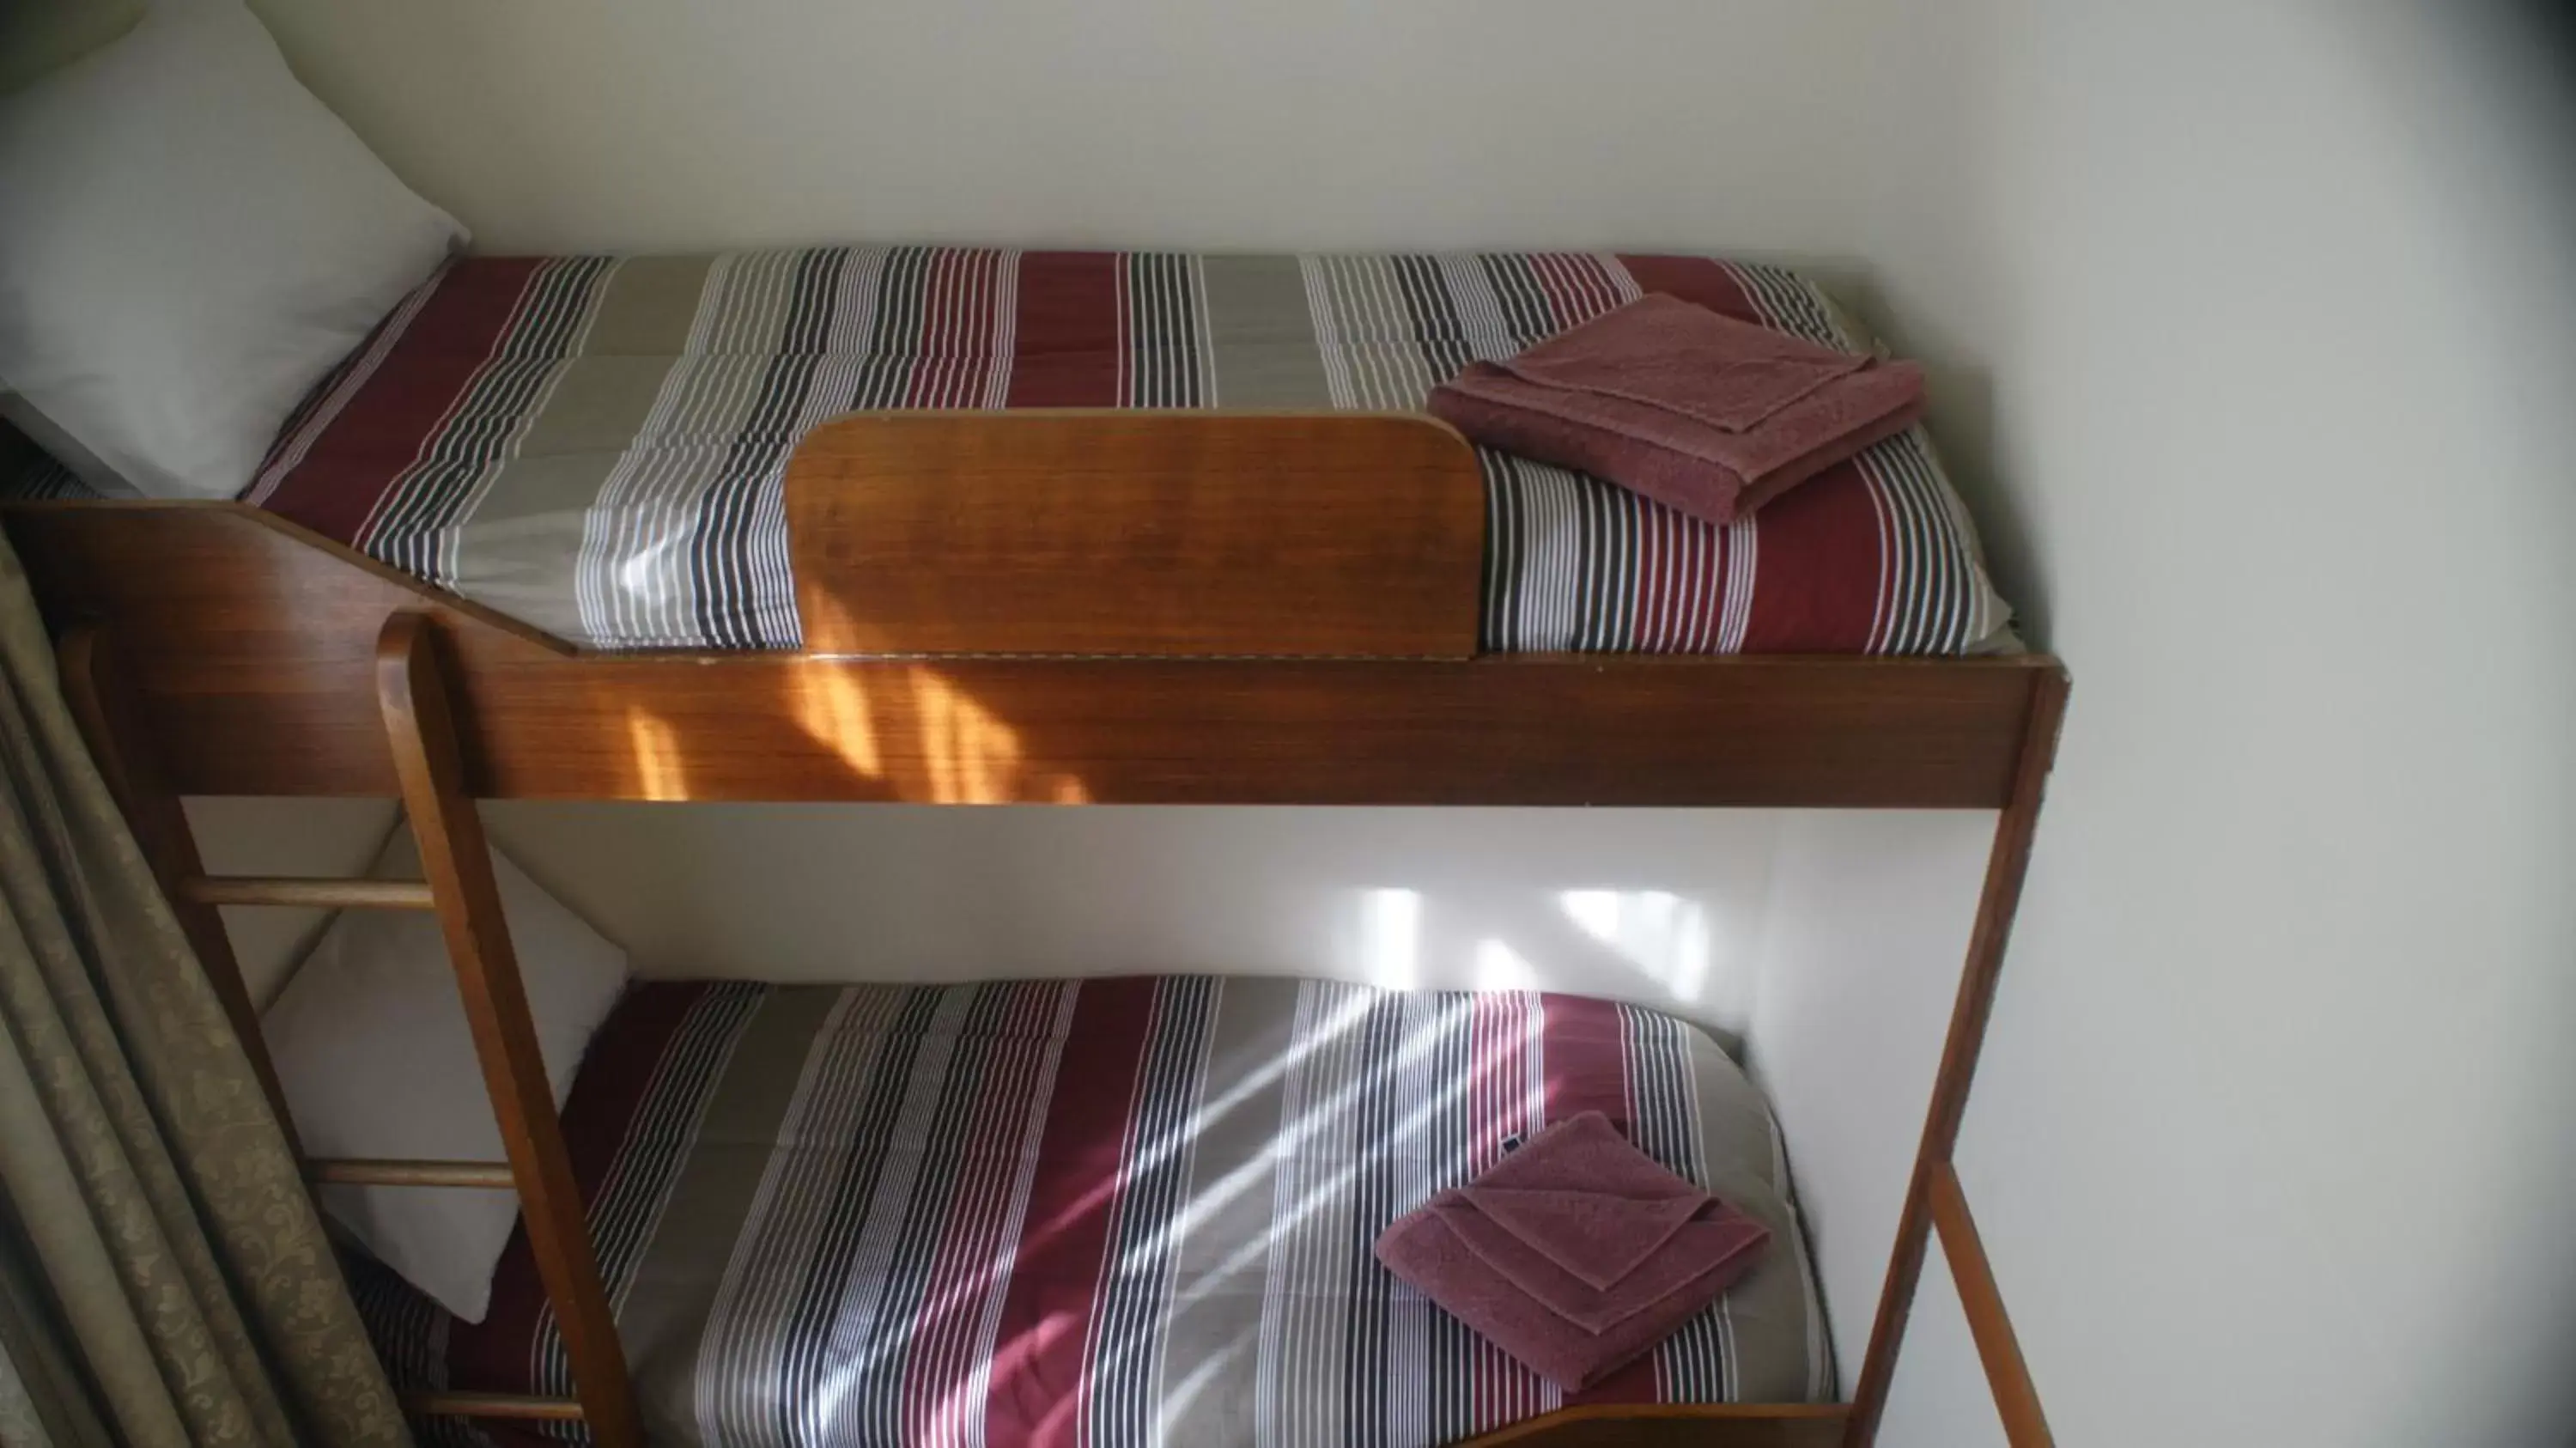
[
  {"x": 596, "y": 444},
  {"x": 1115, "y": 1212}
]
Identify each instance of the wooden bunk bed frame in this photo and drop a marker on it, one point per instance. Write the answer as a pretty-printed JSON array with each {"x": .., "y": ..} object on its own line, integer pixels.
[{"x": 1038, "y": 607}]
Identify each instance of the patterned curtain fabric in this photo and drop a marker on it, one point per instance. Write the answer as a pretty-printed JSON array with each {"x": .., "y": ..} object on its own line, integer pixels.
[{"x": 164, "y": 1280}]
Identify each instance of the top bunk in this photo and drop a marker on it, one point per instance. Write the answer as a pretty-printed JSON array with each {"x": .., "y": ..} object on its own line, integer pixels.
[{"x": 981, "y": 526}]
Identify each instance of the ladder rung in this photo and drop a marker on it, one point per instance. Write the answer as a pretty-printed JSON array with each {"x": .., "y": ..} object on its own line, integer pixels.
[
  {"x": 385, "y": 1172},
  {"x": 325, "y": 894},
  {"x": 492, "y": 1405}
]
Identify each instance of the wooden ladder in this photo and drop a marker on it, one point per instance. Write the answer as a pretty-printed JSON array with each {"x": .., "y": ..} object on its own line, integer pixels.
[{"x": 456, "y": 862}]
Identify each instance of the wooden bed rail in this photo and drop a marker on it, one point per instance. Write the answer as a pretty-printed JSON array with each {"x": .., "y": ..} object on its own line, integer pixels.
[{"x": 247, "y": 647}]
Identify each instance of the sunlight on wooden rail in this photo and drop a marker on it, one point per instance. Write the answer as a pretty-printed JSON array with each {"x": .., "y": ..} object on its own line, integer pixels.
[
  {"x": 659, "y": 770},
  {"x": 927, "y": 738}
]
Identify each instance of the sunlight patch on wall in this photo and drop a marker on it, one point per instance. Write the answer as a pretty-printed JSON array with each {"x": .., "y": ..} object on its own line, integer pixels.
[
  {"x": 1390, "y": 953},
  {"x": 1499, "y": 967},
  {"x": 1665, "y": 937}
]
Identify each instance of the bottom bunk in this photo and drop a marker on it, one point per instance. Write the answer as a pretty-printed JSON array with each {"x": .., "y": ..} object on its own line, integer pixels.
[{"x": 1108, "y": 1212}]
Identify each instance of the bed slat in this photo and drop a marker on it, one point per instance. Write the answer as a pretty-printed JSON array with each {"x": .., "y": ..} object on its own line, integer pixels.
[
  {"x": 306, "y": 893},
  {"x": 492, "y": 1405},
  {"x": 389, "y": 1172}
]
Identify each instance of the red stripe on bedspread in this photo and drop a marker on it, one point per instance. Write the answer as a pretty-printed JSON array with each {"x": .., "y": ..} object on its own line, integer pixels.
[
  {"x": 1826, "y": 535},
  {"x": 1584, "y": 1053},
  {"x": 1814, "y": 584},
  {"x": 1042, "y": 1348},
  {"x": 1584, "y": 1049},
  {"x": 1066, "y": 352},
  {"x": 359, "y": 455},
  {"x": 498, "y": 1353},
  {"x": 972, "y": 1263}
]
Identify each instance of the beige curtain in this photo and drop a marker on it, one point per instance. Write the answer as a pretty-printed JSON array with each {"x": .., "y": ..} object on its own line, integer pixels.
[{"x": 164, "y": 1281}]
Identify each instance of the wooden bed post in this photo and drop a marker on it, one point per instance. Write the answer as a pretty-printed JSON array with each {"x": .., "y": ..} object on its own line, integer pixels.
[
  {"x": 2006, "y": 863},
  {"x": 103, "y": 706},
  {"x": 411, "y": 686}
]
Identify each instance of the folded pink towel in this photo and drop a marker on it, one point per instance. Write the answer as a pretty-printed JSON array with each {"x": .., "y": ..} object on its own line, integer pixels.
[
  {"x": 1700, "y": 412},
  {"x": 1575, "y": 1253}
]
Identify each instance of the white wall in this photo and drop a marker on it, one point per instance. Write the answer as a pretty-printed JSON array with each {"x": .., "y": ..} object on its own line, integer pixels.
[
  {"x": 1855, "y": 972},
  {"x": 2265, "y": 309},
  {"x": 661, "y": 124},
  {"x": 1663, "y": 908}
]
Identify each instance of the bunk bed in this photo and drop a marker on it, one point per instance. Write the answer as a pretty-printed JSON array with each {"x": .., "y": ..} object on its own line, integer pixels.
[{"x": 1146, "y": 600}]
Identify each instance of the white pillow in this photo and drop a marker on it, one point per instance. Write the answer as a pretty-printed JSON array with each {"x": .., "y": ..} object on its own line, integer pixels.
[
  {"x": 188, "y": 242},
  {"x": 372, "y": 1047}
]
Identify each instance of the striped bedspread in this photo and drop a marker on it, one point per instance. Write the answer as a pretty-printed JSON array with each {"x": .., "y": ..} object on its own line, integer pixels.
[
  {"x": 1107, "y": 1213},
  {"x": 596, "y": 444}
]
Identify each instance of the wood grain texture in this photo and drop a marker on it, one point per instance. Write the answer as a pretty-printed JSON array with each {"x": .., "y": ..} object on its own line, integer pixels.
[
  {"x": 2007, "y": 862},
  {"x": 1101, "y": 532},
  {"x": 291, "y": 892},
  {"x": 1998, "y": 1347},
  {"x": 251, "y": 646},
  {"x": 457, "y": 860},
  {"x": 119, "y": 729},
  {"x": 394, "y": 1172},
  {"x": 1665, "y": 1425}
]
